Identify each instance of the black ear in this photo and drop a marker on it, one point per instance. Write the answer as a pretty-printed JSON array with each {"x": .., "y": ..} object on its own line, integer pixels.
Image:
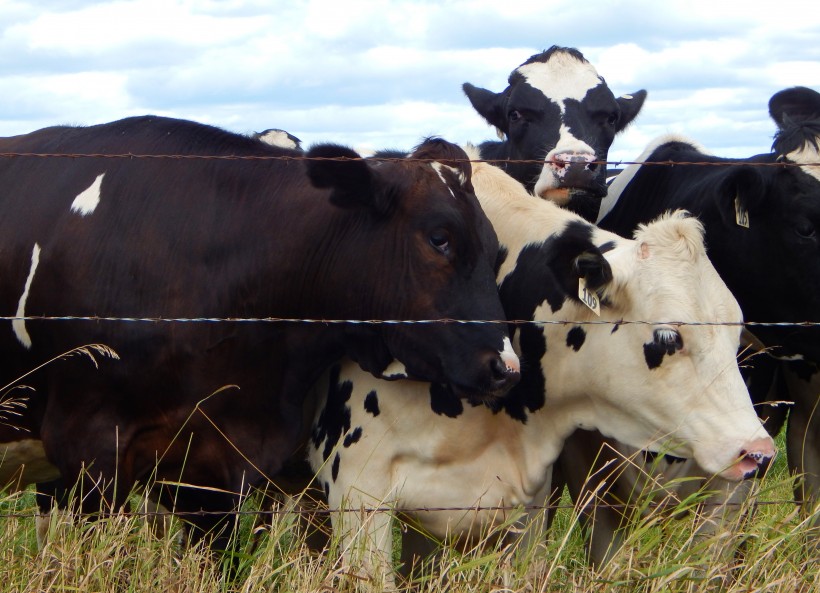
[
  {"x": 794, "y": 105},
  {"x": 593, "y": 267},
  {"x": 491, "y": 106},
  {"x": 353, "y": 182},
  {"x": 744, "y": 184},
  {"x": 630, "y": 107}
]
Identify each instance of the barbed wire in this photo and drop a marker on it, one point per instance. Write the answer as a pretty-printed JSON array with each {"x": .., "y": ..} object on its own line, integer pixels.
[
  {"x": 303, "y": 157},
  {"x": 271, "y": 512},
  {"x": 443, "y": 321}
]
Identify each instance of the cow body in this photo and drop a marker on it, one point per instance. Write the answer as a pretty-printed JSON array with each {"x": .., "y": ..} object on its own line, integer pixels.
[
  {"x": 407, "y": 446},
  {"x": 771, "y": 265},
  {"x": 559, "y": 116},
  {"x": 221, "y": 405}
]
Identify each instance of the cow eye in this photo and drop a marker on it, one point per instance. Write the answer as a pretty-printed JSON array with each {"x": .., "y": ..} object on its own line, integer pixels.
[
  {"x": 668, "y": 337},
  {"x": 514, "y": 115},
  {"x": 805, "y": 229},
  {"x": 440, "y": 240},
  {"x": 612, "y": 119}
]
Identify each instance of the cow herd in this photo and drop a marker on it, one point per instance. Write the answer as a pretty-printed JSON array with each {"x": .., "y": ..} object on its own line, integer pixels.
[{"x": 208, "y": 323}]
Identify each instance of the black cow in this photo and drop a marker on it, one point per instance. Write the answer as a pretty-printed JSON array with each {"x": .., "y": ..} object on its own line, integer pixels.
[
  {"x": 560, "y": 115},
  {"x": 220, "y": 405},
  {"x": 761, "y": 224}
]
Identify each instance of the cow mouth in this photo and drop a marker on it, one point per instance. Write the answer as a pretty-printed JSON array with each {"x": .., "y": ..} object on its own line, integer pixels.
[{"x": 750, "y": 464}]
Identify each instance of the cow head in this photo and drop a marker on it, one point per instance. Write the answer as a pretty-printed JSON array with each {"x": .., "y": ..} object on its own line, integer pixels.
[
  {"x": 432, "y": 254},
  {"x": 558, "y": 112},
  {"x": 650, "y": 382},
  {"x": 782, "y": 210},
  {"x": 664, "y": 385}
]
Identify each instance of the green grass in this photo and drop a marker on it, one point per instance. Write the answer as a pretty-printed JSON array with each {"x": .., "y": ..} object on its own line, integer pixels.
[{"x": 771, "y": 550}]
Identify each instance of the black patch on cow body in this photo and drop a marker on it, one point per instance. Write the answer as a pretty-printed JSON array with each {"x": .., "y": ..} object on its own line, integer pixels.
[
  {"x": 444, "y": 402},
  {"x": 326, "y": 488},
  {"x": 353, "y": 437},
  {"x": 547, "y": 272},
  {"x": 371, "y": 403},
  {"x": 530, "y": 393},
  {"x": 576, "y": 337},
  {"x": 334, "y": 470},
  {"x": 334, "y": 420}
]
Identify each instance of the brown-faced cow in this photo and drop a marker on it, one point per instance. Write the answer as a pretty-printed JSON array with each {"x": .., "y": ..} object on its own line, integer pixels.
[{"x": 220, "y": 404}]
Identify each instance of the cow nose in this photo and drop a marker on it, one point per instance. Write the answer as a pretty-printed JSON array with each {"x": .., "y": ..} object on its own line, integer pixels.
[
  {"x": 574, "y": 169},
  {"x": 504, "y": 373},
  {"x": 755, "y": 456}
]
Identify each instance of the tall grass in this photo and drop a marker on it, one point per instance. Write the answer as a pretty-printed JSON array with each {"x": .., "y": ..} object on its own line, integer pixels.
[{"x": 769, "y": 548}]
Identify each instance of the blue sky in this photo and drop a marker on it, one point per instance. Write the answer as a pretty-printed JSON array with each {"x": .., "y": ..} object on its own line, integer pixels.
[{"x": 385, "y": 74}]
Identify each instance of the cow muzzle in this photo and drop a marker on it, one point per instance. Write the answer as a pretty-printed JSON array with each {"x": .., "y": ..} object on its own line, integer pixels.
[{"x": 753, "y": 457}]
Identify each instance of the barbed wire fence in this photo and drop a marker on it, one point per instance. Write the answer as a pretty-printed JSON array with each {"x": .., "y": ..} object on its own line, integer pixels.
[{"x": 318, "y": 510}]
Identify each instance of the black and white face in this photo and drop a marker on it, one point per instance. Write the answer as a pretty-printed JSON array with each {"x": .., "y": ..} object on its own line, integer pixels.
[{"x": 561, "y": 116}]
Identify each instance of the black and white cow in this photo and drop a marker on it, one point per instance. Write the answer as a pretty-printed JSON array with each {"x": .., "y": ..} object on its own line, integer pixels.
[
  {"x": 761, "y": 224},
  {"x": 560, "y": 117},
  {"x": 406, "y": 445},
  {"x": 220, "y": 405}
]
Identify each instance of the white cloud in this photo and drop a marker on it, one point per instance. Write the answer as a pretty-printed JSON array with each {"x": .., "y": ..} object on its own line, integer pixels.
[{"x": 368, "y": 75}]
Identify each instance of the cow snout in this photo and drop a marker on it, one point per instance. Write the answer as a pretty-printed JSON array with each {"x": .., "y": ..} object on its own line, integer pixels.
[
  {"x": 575, "y": 169},
  {"x": 753, "y": 457}
]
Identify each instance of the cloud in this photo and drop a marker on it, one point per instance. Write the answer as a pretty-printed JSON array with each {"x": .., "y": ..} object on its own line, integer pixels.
[{"x": 366, "y": 75}]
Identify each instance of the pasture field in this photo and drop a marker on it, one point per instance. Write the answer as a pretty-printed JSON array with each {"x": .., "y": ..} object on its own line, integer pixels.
[{"x": 124, "y": 554}]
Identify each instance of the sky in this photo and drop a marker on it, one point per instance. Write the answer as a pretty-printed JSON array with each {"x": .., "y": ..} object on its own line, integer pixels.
[{"x": 386, "y": 74}]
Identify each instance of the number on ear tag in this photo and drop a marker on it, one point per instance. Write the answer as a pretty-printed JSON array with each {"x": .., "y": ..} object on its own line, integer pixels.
[
  {"x": 741, "y": 214},
  {"x": 589, "y": 298}
]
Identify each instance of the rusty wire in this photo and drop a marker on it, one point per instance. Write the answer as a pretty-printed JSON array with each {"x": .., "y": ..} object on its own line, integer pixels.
[{"x": 186, "y": 157}]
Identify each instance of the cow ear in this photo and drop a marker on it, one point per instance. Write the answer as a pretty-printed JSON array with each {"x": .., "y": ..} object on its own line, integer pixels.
[
  {"x": 491, "y": 106},
  {"x": 630, "y": 105},
  {"x": 794, "y": 105},
  {"x": 740, "y": 194},
  {"x": 593, "y": 267},
  {"x": 346, "y": 174}
]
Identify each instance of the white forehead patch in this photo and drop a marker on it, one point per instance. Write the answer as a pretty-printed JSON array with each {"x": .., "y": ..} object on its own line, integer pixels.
[
  {"x": 807, "y": 156},
  {"x": 85, "y": 203},
  {"x": 562, "y": 77},
  {"x": 19, "y": 325},
  {"x": 278, "y": 138},
  {"x": 437, "y": 167}
]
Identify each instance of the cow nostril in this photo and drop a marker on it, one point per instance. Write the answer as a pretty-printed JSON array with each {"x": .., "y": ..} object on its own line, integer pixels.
[{"x": 501, "y": 374}]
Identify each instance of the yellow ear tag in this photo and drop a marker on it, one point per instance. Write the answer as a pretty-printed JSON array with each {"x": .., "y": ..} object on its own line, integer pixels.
[
  {"x": 589, "y": 298},
  {"x": 741, "y": 214}
]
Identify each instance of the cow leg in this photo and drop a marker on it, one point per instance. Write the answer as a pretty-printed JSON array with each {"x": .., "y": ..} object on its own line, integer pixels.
[
  {"x": 416, "y": 547},
  {"x": 589, "y": 469},
  {"x": 366, "y": 540},
  {"x": 803, "y": 435}
]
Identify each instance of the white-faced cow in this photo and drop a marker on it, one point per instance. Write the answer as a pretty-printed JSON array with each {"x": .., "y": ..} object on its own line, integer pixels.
[
  {"x": 409, "y": 446},
  {"x": 559, "y": 117},
  {"x": 761, "y": 224},
  {"x": 220, "y": 404}
]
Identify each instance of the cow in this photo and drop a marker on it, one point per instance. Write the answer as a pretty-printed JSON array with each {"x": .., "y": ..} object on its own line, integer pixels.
[
  {"x": 558, "y": 118},
  {"x": 761, "y": 224},
  {"x": 224, "y": 231},
  {"x": 409, "y": 446}
]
